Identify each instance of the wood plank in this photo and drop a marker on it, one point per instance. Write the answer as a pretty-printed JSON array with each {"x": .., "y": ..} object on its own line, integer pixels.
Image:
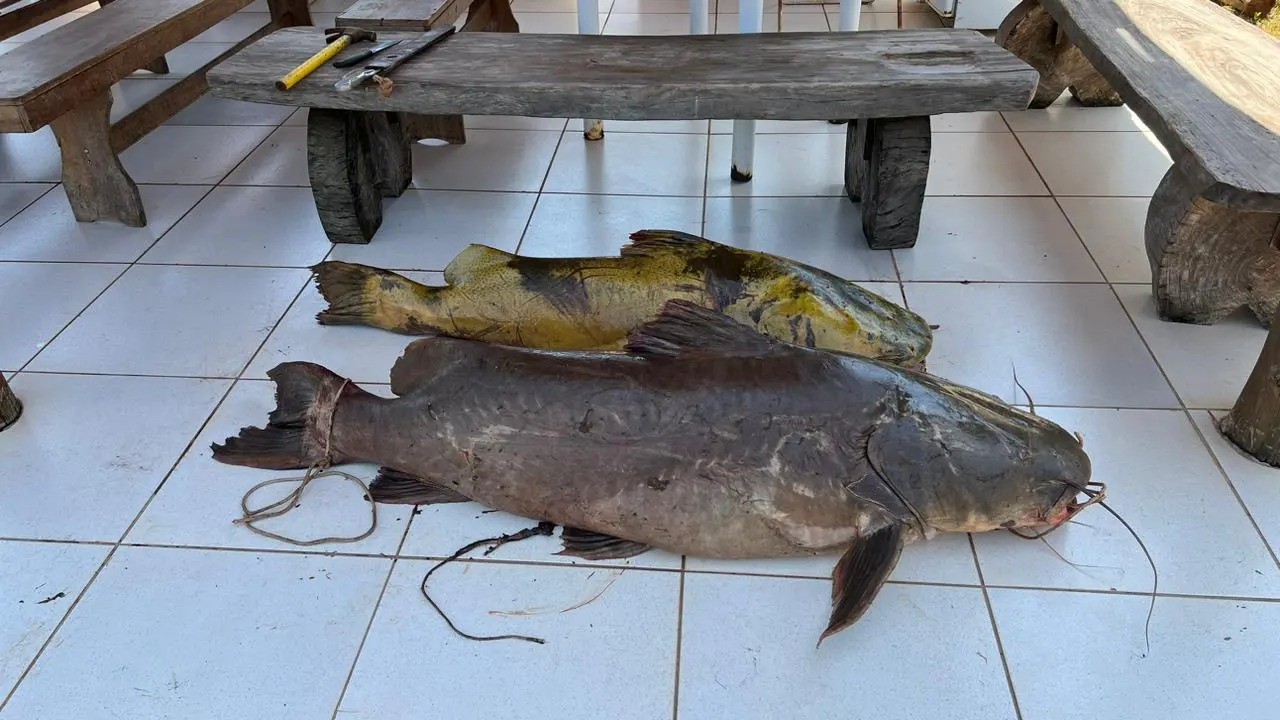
[
  {"x": 133, "y": 127},
  {"x": 1204, "y": 81},
  {"x": 56, "y": 70},
  {"x": 796, "y": 76},
  {"x": 22, "y": 18},
  {"x": 402, "y": 14}
]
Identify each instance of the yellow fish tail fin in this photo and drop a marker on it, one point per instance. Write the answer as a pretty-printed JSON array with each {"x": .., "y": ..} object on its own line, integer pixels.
[
  {"x": 473, "y": 259},
  {"x": 363, "y": 295}
]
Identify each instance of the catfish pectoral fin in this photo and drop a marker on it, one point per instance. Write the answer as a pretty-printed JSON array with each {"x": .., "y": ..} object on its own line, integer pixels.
[
  {"x": 859, "y": 575},
  {"x": 393, "y": 486},
  {"x": 598, "y": 546}
]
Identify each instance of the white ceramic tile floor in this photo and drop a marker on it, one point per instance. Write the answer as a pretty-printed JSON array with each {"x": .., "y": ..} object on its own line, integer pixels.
[{"x": 200, "y": 618}]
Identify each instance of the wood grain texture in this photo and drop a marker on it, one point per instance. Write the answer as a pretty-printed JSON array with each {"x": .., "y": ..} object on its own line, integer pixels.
[
  {"x": 96, "y": 184},
  {"x": 1202, "y": 79},
  {"x": 797, "y": 76},
  {"x": 1207, "y": 259},
  {"x": 1254, "y": 421},
  {"x": 22, "y": 17},
  {"x": 344, "y": 180},
  {"x": 402, "y": 14},
  {"x": 1033, "y": 35},
  {"x": 895, "y": 166},
  {"x": 855, "y": 158},
  {"x": 10, "y": 406},
  {"x": 57, "y": 70},
  {"x": 133, "y": 127},
  {"x": 289, "y": 13},
  {"x": 449, "y": 128},
  {"x": 390, "y": 150}
]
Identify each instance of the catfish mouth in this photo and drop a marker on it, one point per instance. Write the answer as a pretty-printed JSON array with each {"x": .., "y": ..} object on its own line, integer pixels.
[{"x": 1061, "y": 513}]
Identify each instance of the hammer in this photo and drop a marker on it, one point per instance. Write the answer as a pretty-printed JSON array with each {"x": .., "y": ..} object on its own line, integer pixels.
[{"x": 338, "y": 39}]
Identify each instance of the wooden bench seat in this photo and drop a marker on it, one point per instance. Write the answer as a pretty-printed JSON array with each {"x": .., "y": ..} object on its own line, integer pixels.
[
  {"x": 63, "y": 78},
  {"x": 892, "y": 81},
  {"x": 421, "y": 15},
  {"x": 1207, "y": 84}
]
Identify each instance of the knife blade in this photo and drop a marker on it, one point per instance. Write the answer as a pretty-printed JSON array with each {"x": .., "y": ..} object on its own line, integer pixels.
[
  {"x": 384, "y": 64},
  {"x": 365, "y": 55}
]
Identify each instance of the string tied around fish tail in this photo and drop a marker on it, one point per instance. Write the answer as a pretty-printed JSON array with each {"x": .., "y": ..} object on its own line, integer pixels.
[
  {"x": 542, "y": 528},
  {"x": 249, "y": 517}
]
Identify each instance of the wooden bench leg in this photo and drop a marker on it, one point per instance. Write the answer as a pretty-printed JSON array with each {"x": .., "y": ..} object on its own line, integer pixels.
[
  {"x": 1032, "y": 34},
  {"x": 392, "y": 154},
  {"x": 1254, "y": 422},
  {"x": 344, "y": 174},
  {"x": 96, "y": 184},
  {"x": 289, "y": 13},
  {"x": 886, "y": 168},
  {"x": 1208, "y": 260},
  {"x": 10, "y": 406},
  {"x": 159, "y": 66},
  {"x": 449, "y": 128}
]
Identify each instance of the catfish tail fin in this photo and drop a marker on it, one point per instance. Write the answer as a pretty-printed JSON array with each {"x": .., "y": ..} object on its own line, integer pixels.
[
  {"x": 363, "y": 295},
  {"x": 300, "y": 427}
]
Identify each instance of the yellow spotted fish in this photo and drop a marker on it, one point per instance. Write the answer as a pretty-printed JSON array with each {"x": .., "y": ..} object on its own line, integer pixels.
[{"x": 594, "y": 303}]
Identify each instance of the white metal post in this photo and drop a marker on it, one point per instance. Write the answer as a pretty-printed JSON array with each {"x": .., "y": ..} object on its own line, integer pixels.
[
  {"x": 750, "y": 20},
  {"x": 589, "y": 24},
  {"x": 699, "y": 17},
  {"x": 850, "y": 15}
]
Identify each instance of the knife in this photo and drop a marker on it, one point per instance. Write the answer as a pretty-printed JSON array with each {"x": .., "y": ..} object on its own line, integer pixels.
[
  {"x": 365, "y": 55},
  {"x": 383, "y": 65}
]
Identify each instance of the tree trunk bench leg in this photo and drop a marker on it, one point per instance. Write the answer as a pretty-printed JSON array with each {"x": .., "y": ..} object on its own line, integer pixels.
[
  {"x": 10, "y": 406},
  {"x": 289, "y": 13},
  {"x": 886, "y": 167},
  {"x": 96, "y": 184},
  {"x": 344, "y": 174},
  {"x": 1254, "y": 423},
  {"x": 1208, "y": 260},
  {"x": 435, "y": 127},
  {"x": 1029, "y": 32},
  {"x": 392, "y": 156}
]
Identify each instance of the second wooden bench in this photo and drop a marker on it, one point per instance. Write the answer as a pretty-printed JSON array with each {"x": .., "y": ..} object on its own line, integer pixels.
[{"x": 358, "y": 149}]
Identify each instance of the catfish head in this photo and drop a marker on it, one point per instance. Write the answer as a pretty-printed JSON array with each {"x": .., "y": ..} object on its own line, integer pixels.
[
  {"x": 963, "y": 461},
  {"x": 812, "y": 308}
]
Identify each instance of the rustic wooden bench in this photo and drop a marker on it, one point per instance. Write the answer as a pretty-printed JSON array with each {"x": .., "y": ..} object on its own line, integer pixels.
[
  {"x": 64, "y": 77},
  {"x": 1208, "y": 85},
  {"x": 22, "y": 15},
  {"x": 893, "y": 81},
  {"x": 420, "y": 15}
]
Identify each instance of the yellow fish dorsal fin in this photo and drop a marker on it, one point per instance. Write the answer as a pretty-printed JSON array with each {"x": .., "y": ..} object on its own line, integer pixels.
[
  {"x": 472, "y": 259},
  {"x": 665, "y": 242}
]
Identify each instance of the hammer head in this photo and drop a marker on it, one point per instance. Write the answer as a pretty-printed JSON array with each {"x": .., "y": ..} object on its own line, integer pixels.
[{"x": 356, "y": 34}]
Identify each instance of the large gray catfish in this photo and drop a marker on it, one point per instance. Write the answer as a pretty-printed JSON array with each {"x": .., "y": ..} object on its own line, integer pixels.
[{"x": 705, "y": 438}]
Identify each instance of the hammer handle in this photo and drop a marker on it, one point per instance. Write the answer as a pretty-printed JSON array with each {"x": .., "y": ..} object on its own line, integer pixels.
[{"x": 296, "y": 75}]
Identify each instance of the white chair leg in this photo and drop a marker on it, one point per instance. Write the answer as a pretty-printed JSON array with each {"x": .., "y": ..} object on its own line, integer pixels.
[
  {"x": 589, "y": 24},
  {"x": 750, "y": 20},
  {"x": 850, "y": 15},
  {"x": 699, "y": 17}
]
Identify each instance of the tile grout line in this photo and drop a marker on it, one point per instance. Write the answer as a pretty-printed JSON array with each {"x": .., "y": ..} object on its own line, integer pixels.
[
  {"x": 995, "y": 629},
  {"x": 1182, "y": 404},
  {"x": 373, "y": 615},
  {"x": 675, "y": 695},
  {"x": 528, "y": 222},
  {"x": 34, "y": 200},
  {"x": 159, "y": 487}
]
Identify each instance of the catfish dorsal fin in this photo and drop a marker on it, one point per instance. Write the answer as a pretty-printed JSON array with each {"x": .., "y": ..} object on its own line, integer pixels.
[
  {"x": 424, "y": 360},
  {"x": 657, "y": 242},
  {"x": 684, "y": 328},
  {"x": 474, "y": 258}
]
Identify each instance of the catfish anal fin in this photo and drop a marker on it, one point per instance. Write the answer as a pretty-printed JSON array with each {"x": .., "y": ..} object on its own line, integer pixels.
[
  {"x": 598, "y": 546},
  {"x": 859, "y": 575},
  {"x": 393, "y": 486},
  {"x": 683, "y": 328}
]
